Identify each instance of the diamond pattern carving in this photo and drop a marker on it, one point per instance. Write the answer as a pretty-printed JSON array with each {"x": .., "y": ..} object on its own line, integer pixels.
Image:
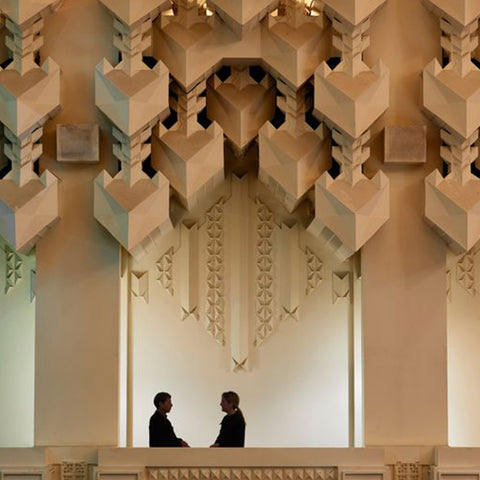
[
  {"x": 14, "y": 268},
  {"x": 264, "y": 273},
  {"x": 314, "y": 270},
  {"x": 215, "y": 309},
  {"x": 165, "y": 270}
]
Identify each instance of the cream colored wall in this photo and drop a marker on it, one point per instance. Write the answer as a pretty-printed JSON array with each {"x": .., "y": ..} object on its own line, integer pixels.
[
  {"x": 80, "y": 347},
  {"x": 77, "y": 329},
  {"x": 295, "y": 392},
  {"x": 463, "y": 352},
  {"x": 17, "y": 350}
]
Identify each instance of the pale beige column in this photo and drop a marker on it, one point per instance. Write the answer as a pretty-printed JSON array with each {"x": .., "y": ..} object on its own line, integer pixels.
[
  {"x": 404, "y": 265},
  {"x": 78, "y": 289}
]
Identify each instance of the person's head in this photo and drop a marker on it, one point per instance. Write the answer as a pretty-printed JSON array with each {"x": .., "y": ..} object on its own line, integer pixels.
[
  {"x": 230, "y": 401},
  {"x": 163, "y": 402}
]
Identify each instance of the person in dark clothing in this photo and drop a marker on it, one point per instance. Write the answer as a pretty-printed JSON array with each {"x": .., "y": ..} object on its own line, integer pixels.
[
  {"x": 160, "y": 429},
  {"x": 232, "y": 430}
]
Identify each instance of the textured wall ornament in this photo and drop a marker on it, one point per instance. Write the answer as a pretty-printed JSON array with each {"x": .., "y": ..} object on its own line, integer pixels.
[
  {"x": 243, "y": 473},
  {"x": 188, "y": 258},
  {"x": 33, "y": 285},
  {"x": 290, "y": 277},
  {"x": 240, "y": 104},
  {"x": 292, "y": 41},
  {"x": 165, "y": 270},
  {"x": 238, "y": 235},
  {"x": 74, "y": 471},
  {"x": 186, "y": 34},
  {"x": 131, "y": 205},
  {"x": 451, "y": 94},
  {"x": 407, "y": 471},
  {"x": 215, "y": 300},
  {"x": 242, "y": 15},
  {"x": 465, "y": 272},
  {"x": 28, "y": 203},
  {"x": 349, "y": 99},
  {"x": 190, "y": 156},
  {"x": 314, "y": 270},
  {"x": 14, "y": 268},
  {"x": 139, "y": 285},
  {"x": 264, "y": 302},
  {"x": 340, "y": 285},
  {"x": 292, "y": 157}
]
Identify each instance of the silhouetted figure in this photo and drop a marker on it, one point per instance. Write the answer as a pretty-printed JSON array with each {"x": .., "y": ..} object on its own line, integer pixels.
[
  {"x": 232, "y": 430},
  {"x": 160, "y": 429}
]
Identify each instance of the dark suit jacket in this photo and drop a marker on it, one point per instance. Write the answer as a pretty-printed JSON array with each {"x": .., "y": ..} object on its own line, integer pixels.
[
  {"x": 232, "y": 431},
  {"x": 161, "y": 432}
]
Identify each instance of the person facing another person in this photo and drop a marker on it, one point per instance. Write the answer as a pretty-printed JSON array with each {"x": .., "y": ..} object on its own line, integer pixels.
[
  {"x": 161, "y": 432},
  {"x": 232, "y": 430}
]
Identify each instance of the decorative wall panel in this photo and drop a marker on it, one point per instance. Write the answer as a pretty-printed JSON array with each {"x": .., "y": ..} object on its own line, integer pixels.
[
  {"x": 350, "y": 98},
  {"x": 451, "y": 203},
  {"x": 130, "y": 205},
  {"x": 29, "y": 96}
]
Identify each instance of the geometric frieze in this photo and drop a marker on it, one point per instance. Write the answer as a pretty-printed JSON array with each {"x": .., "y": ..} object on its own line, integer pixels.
[{"x": 208, "y": 473}]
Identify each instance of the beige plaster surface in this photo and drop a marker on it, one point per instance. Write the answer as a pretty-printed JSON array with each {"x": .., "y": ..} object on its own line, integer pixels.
[
  {"x": 76, "y": 358},
  {"x": 403, "y": 265},
  {"x": 252, "y": 457}
]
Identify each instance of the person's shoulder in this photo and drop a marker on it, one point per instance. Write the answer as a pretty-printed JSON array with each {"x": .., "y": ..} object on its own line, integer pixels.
[
  {"x": 237, "y": 417},
  {"x": 156, "y": 417}
]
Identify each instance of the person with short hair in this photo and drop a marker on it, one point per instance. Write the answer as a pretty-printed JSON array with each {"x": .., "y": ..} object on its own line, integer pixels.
[
  {"x": 232, "y": 430},
  {"x": 161, "y": 432}
]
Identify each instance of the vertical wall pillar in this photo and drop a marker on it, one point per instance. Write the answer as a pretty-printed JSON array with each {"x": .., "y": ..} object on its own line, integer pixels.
[
  {"x": 404, "y": 266},
  {"x": 78, "y": 277}
]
